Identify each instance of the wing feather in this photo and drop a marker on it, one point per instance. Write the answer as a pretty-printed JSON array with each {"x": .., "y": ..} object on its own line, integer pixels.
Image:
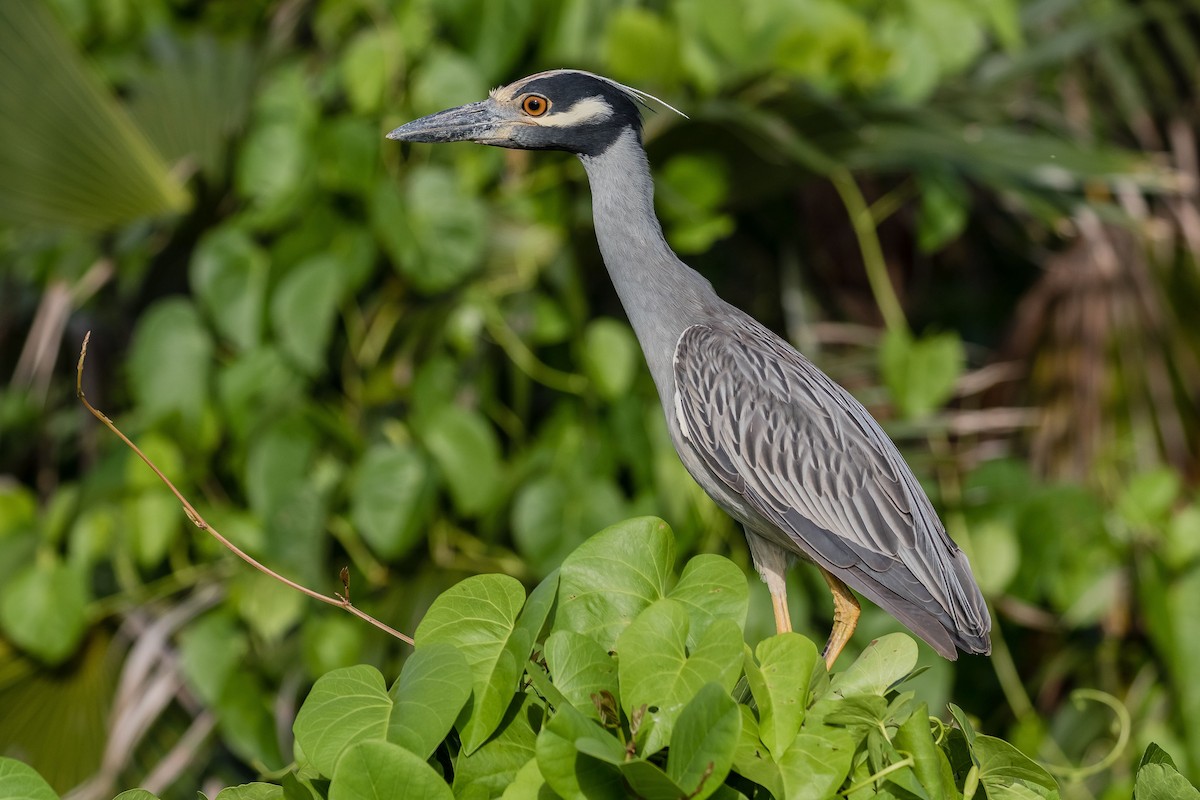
[{"x": 808, "y": 458}]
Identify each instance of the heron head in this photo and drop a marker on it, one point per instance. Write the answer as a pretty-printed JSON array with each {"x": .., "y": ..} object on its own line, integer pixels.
[{"x": 562, "y": 109}]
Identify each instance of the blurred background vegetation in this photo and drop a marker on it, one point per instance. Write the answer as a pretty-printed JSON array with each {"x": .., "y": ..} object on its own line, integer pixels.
[{"x": 979, "y": 216}]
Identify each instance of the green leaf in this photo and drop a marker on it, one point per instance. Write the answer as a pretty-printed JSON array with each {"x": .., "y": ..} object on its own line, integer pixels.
[
  {"x": 642, "y": 46},
  {"x": 91, "y": 536},
  {"x": 332, "y": 641},
  {"x": 528, "y": 784},
  {"x": 858, "y": 714},
  {"x": 165, "y": 453},
  {"x": 286, "y": 96},
  {"x": 43, "y": 610},
  {"x": 435, "y": 232},
  {"x": 882, "y": 664},
  {"x": 135, "y": 794},
  {"x": 649, "y": 782},
  {"x": 479, "y": 617},
  {"x": 698, "y": 234},
  {"x": 816, "y": 764},
  {"x": 920, "y": 373},
  {"x": 22, "y": 781},
  {"x": 656, "y": 669},
  {"x": 169, "y": 362},
  {"x": 251, "y": 791},
  {"x": 255, "y": 389},
  {"x": 611, "y": 356},
  {"x": 295, "y": 540},
  {"x": 712, "y": 587},
  {"x": 1182, "y": 545},
  {"x": 567, "y": 768},
  {"x": 275, "y": 170},
  {"x": 246, "y": 720},
  {"x": 432, "y": 688},
  {"x": 211, "y": 649},
  {"x": 1162, "y": 782},
  {"x": 18, "y": 510},
  {"x": 392, "y": 498},
  {"x": 377, "y": 770},
  {"x": 369, "y": 64},
  {"x": 269, "y": 607},
  {"x": 552, "y": 515},
  {"x": 488, "y": 770},
  {"x": 613, "y": 577},
  {"x": 349, "y": 155},
  {"x": 780, "y": 685},
  {"x": 751, "y": 759},
  {"x": 930, "y": 764},
  {"x": 1006, "y": 772},
  {"x": 229, "y": 273},
  {"x": 995, "y": 555},
  {"x": 304, "y": 309},
  {"x": 345, "y": 707},
  {"x": 703, "y": 742},
  {"x": 154, "y": 519},
  {"x": 580, "y": 668},
  {"x": 964, "y": 724},
  {"x": 1148, "y": 499},
  {"x": 298, "y": 787},
  {"x": 692, "y": 187},
  {"x": 446, "y": 77},
  {"x": 467, "y": 452},
  {"x": 1156, "y": 755},
  {"x": 278, "y": 464},
  {"x": 945, "y": 207}
]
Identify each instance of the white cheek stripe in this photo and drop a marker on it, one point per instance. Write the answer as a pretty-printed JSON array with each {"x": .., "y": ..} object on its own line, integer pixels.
[{"x": 589, "y": 109}]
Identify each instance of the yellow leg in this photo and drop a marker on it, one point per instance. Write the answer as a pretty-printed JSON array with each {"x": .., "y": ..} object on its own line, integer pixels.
[
  {"x": 845, "y": 617},
  {"x": 771, "y": 561},
  {"x": 783, "y": 620}
]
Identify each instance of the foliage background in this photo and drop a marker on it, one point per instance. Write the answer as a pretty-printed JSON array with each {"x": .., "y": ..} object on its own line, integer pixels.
[{"x": 410, "y": 360}]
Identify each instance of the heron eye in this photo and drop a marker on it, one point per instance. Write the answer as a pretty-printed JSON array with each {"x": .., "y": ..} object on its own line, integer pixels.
[{"x": 535, "y": 105}]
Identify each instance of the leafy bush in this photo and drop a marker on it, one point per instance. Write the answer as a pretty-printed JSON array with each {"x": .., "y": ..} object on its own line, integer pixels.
[
  {"x": 409, "y": 360},
  {"x": 614, "y": 679}
]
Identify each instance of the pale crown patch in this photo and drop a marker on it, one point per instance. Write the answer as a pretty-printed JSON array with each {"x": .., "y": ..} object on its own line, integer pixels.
[{"x": 587, "y": 110}]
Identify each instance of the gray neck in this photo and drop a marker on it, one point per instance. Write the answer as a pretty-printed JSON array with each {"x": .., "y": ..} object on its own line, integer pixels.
[{"x": 662, "y": 295}]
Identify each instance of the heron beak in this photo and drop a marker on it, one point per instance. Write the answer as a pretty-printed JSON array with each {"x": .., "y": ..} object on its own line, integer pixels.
[{"x": 479, "y": 122}]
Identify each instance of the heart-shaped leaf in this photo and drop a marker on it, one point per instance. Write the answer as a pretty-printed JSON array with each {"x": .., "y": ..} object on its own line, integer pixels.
[
  {"x": 580, "y": 668},
  {"x": 657, "y": 670},
  {"x": 882, "y": 664},
  {"x": 779, "y": 677},
  {"x": 613, "y": 577},
  {"x": 384, "y": 771},
  {"x": 712, "y": 587},
  {"x": 578, "y": 758},
  {"x": 432, "y": 688},
  {"x": 704, "y": 740},
  {"x": 921, "y": 373},
  {"x": 345, "y": 707}
]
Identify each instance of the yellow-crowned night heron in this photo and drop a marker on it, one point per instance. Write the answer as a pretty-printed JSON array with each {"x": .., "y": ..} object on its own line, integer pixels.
[{"x": 781, "y": 447}]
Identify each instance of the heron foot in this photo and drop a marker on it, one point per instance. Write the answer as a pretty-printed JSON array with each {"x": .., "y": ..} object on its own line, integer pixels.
[{"x": 845, "y": 618}]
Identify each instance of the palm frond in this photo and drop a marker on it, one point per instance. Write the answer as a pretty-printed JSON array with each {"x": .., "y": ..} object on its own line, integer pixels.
[{"x": 69, "y": 156}]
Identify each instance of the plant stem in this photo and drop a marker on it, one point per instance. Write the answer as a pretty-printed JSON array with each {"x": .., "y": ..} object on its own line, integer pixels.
[{"x": 863, "y": 221}]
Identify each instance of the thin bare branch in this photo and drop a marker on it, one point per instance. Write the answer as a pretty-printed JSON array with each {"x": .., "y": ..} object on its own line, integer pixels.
[{"x": 200, "y": 522}]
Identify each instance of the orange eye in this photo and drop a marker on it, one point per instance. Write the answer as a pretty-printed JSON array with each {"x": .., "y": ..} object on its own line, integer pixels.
[{"x": 535, "y": 105}]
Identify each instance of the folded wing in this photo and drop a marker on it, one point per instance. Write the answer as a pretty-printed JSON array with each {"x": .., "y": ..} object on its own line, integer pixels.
[{"x": 808, "y": 458}]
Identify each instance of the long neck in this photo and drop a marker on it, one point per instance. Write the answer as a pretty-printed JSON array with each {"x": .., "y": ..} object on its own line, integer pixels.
[{"x": 661, "y": 294}]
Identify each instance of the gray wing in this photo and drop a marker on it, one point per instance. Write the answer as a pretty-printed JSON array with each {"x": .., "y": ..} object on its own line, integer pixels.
[{"x": 808, "y": 458}]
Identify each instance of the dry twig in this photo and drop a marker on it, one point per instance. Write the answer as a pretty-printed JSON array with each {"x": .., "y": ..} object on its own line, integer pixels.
[{"x": 199, "y": 522}]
